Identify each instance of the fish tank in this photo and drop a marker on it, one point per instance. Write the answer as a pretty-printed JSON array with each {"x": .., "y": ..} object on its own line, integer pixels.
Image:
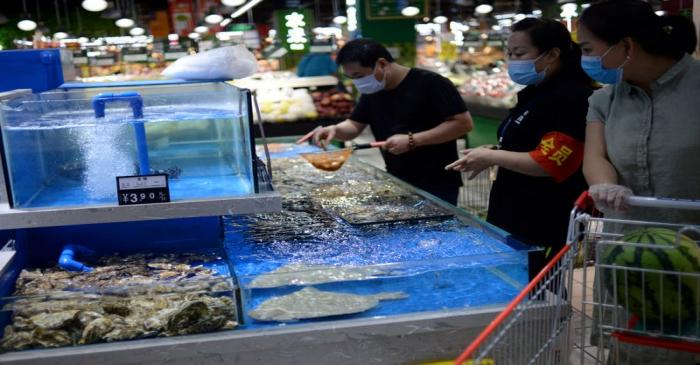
[
  {"x": 358, "y": 243},
  {"x": 65, "y": 147}
]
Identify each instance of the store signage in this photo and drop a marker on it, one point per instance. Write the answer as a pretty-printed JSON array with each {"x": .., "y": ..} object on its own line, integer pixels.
[
  {"x": 294, "y": 28},
  {"x": 391, "y": 9},
  {"x": 143, "y": 189}
]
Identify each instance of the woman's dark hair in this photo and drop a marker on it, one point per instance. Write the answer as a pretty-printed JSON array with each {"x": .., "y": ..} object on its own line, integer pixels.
[
  {"x": 611, "y": 21},
  {"x": 547, "y": 34},
  {"x": 364, "y": 51}
]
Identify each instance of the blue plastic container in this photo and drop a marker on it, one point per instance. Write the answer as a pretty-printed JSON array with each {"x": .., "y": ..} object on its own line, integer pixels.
[{"x": 36, "y": 69}]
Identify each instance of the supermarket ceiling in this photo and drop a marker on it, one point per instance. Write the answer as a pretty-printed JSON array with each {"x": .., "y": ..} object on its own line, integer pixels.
[
  {"x": 262, "y": 12},
  {"x": 51, "y": 11}
]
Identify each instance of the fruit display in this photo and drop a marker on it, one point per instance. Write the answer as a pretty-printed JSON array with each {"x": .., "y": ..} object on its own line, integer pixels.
[
  {"x": 333, "y": 103},
  {"x": 286, "y": 105},
  {"x": 670, "y": 296},
  {"x": 496, "y": 90}
]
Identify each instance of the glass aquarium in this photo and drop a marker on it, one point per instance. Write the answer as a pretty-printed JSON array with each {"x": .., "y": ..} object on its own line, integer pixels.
[{"x": 66, "y": 147}]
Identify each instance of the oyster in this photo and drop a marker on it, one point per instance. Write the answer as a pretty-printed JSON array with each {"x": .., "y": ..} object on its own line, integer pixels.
[
  {"x": 301, "y": 274},
  {"x": 188, "y": 314},
  {"x": 314, "y": 303},
  {"x": 55, "y": 320},
  {"x": 52, "y": 338},
  {"x": 96, "y": 330},
  {"x": 130, "y": 297},
  {"x": 17, "y": 340}
]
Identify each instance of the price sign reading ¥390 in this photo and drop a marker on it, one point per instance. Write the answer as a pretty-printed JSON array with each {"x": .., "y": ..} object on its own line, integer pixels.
[{"x": 144, "y": 189}]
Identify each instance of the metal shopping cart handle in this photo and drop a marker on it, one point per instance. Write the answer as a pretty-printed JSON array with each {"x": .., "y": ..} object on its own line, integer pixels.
[
  {"x": 585, "y": 202},
  {"x": 640, "y": 201}
]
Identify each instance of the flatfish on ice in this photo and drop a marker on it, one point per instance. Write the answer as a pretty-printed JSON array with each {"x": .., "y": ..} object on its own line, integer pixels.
[{"x": 314, "y": 303}]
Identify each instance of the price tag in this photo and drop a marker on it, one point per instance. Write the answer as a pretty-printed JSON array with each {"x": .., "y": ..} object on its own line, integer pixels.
[{"x": 144, "y": 189}]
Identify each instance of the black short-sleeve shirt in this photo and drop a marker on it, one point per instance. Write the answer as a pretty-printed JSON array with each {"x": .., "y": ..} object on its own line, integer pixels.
[
  {"x": 420, "y": 102},
  {"x": 536, "y": 209}
]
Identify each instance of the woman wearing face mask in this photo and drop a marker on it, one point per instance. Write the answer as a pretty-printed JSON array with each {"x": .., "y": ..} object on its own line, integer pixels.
[
  {"x": 643, "y": 136},
  {"x": 418, "y": 113},
  {"x": 541, "y": 141}
]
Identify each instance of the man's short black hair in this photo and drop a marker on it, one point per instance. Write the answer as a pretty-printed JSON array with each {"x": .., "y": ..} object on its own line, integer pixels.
[{"x": 364, "y": 51}]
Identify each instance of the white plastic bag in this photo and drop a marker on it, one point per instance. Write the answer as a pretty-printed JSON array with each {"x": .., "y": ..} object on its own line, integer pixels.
[{"x": 227, "y": 63}]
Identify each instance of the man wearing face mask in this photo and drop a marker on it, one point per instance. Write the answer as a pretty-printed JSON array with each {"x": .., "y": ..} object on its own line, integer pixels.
[
  {"x": 540, "y": 148},
  {"x": 418, "y": 113}
]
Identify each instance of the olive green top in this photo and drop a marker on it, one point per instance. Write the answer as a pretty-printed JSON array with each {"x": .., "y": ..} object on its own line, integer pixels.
[{"x": 653, "y": 140}]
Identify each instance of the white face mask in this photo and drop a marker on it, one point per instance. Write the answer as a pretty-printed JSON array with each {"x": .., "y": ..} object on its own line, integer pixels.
[{"x": 369, "y": 84}]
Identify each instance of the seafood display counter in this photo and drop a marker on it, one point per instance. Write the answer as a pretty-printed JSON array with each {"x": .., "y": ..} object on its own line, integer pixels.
[{"x": 357, "y": 268}]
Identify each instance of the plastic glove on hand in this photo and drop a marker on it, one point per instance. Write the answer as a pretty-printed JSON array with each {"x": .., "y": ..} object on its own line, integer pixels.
[{"x": 609, "y": 197}]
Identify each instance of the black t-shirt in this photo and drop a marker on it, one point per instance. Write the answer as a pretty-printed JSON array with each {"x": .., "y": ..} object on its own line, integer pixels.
[
  {"x": 420, "y": 102},
  {"x": 536, "y": 209}
]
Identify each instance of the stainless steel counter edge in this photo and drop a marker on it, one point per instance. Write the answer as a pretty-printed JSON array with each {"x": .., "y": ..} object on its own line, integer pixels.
[
  {"x": 385, "y": 340},
  {"x": 41, "y": 217}
]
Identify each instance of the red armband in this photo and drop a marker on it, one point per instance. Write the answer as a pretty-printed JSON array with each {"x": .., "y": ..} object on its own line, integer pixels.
[{"x": 559, "y": 154}]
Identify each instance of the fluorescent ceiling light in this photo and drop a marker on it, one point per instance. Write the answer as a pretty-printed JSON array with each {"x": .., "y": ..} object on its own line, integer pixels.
[
  {"x": 440, "y": 19},
  {"x": 340, "y": 19},
  {"x": 124, "y": 23},
  {"x": 137, "y": 31},
  {"x": 94, "y": 5},
  {"x": 201, "y": 29},
  {"x": 213, "y": 18},
  {"x": 483, "y": 9},
  {"x": 60, "y": 35},
  {"x": 194, "y": 35},
  {"x": 243, "y": 9},
  {"x": 26, "y": 25},
  {"x": 233, "y": 2},
  {"x": 225, "y": 22},
  {"x": 173, "y": 37},
  {"x": 659, "y": 12},
  {"x": 410, "y": 11}
]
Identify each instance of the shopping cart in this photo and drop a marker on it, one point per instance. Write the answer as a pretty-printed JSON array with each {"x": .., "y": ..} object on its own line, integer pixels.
[
  {"x": 537, "y": 327},
  {"x": 622, "y": 319}
]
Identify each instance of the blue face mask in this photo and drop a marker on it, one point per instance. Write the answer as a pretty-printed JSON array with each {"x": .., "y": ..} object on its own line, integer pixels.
[
  {"x": 524, "y": 72},
  {"x": 593, "y": 66}
]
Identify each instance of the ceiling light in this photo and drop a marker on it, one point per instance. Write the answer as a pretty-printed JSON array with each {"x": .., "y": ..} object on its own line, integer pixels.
[
  {"x": 60, "y": 35},
  {"x": 173, "y": 37},
  {"x": 83, "y": 40},
  {"x": 410, "y": 11},
  {"x": 225, "y": 22},
  {"x": 201, "y": 29},
  {"x": 124, "y": 23},
  {"x": 26, "y": 25},
  {"x": 440, "y": 19},
  {"x": 519, "y": 17},
  {"x": 244, "y": 9},
  {"x": 137, "y": 31},
  {"x": 483, "y": 9},
  {"x": 660, "y": 12},
  {"x": 95, "y": 5},
  {"x": 213, "y": 18},
  {"x": 233, "y": 2},
  {"x": 340, "y": 19},
  {"x": 193, "y": 35}
]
